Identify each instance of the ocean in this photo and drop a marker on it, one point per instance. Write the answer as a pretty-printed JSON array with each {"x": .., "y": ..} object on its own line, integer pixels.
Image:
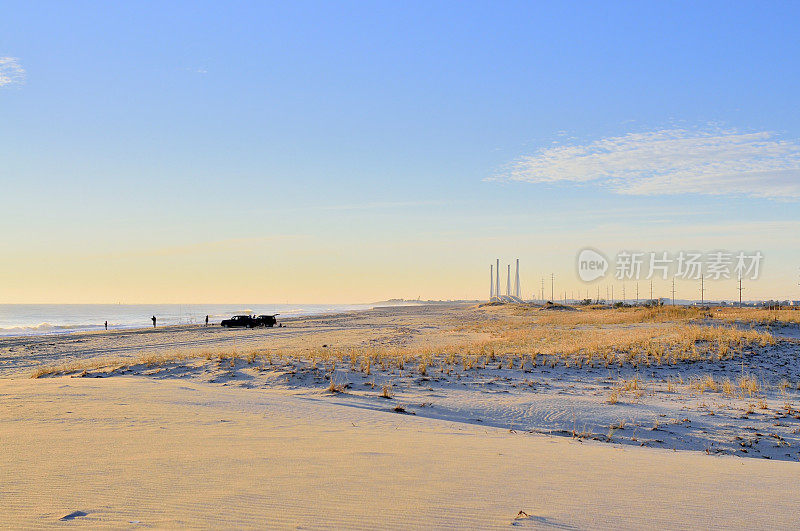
[{"x": 38, "y": 319}]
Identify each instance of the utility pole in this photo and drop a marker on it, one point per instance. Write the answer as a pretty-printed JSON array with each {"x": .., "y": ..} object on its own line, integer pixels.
[
  {"x": 702, "y": 291},
  {"x": 623, "y": 293},
  {"x": 637, "y": 294},
  {"x": 612, "y": 294},
  {"x": 740, "y": 290},
  {"x": 673, "y": 291},
  {"x": 598, "y": 295},
  {"x": 542, "y": 293},
  {"x": 552, "y": 286},
  {"x": 651, "y": 289}
]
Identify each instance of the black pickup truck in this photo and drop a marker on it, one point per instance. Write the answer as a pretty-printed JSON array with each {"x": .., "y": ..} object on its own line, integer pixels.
[{"x": 250, "y": 321}]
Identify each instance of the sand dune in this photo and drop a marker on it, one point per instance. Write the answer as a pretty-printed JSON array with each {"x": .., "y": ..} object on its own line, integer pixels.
[{"x": 138, "y": 452}]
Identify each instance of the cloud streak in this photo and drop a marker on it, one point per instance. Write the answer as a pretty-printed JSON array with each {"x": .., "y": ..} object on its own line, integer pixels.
[
  {"x": 11, "y": 72},
  {"x": 671, "y": 161}
]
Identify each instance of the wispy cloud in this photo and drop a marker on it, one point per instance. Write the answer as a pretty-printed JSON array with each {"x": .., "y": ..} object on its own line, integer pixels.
[
  {"x": 216, "y": 246},
  {"x": 382, "y": 205},
  {"x": 201, "y": 248},
  {"x": 11, "y": 72},
  {"x": 672, "y": 161}
]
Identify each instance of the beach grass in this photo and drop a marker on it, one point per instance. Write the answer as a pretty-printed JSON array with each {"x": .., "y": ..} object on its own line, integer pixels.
[{"x": 510, "y": 339}]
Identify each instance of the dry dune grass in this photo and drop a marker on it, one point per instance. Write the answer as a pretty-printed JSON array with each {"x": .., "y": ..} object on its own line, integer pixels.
[
  {"x": 606, "y": 316},
  {"x": 146, "y": 361},
  {"x": 511, "y": 336},
  {"x": 745, "y": 386},
  {"x": 600, "y": 314},
  {"x": 70, "y": 368},
  {"x": 658, "y": 339},
  {"x": 512, "y": 344},
  {"x": 757, "y": 315}
]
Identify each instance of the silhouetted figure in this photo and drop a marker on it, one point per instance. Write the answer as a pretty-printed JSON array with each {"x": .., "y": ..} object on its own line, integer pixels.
[
  {"x": 206, "y": 320},
  {"x": 106, "y": 325},
  {"x": 154, "y": 321}
]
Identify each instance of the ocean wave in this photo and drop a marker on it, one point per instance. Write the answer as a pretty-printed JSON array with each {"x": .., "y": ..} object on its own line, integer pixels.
[{"x": 45, "y": 328}]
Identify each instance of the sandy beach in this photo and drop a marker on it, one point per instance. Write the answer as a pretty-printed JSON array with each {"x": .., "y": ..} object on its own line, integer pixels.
[
  {"x": 284, "y": 427},
  {"x": 382, "y": 326},
  {"x": 400, "y": 265},
  {"x": 142, "y": 452}
]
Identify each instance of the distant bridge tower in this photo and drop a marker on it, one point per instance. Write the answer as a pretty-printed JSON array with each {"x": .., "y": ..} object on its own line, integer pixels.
[
  {"x": 508, "y": 281},
  {"x": 491, "y": 281},
  {"x": 516, "y": 281}
]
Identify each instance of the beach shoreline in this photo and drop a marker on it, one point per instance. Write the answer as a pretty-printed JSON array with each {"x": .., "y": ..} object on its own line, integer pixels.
[
  {"x": 57, "y": 319},
  {"x": 20, "y": 355}
]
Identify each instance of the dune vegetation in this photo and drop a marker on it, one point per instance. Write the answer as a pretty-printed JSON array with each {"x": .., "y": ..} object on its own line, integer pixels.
[{"x": 513, "y": 337}]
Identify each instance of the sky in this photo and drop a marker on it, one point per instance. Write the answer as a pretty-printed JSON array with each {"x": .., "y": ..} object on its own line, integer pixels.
[{"x": 321, "y": 152}]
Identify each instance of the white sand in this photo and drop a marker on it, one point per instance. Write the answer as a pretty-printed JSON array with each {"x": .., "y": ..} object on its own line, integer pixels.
[
  {"x": 667, "y": 411},
  {"x": 134, "y": 451},
  {"x": 261, "y": 443}
]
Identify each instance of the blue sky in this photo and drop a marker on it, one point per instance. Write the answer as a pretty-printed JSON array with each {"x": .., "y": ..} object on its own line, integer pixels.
[{"x": 358, "y": 151}]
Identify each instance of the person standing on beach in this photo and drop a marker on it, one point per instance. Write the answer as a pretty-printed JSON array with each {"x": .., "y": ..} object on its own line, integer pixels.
[
  {"x": 154, "y": 321},
  {"x": 206, "y": 320},
  {"x": 106, "y": 325}
]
